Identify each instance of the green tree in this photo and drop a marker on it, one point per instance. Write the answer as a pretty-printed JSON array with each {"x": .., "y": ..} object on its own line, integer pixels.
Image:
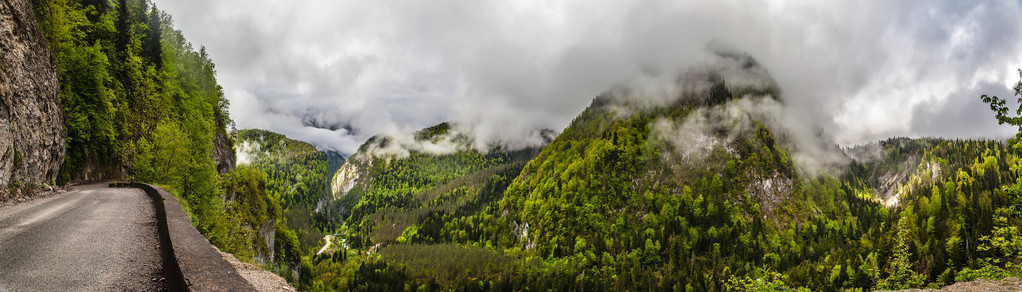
[
  {"x": 770, "y": 281},
  {"x": 900, "y": 272}
]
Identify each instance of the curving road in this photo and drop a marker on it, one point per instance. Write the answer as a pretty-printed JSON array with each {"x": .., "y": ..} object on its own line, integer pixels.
[{"x": 92, "y": 239}]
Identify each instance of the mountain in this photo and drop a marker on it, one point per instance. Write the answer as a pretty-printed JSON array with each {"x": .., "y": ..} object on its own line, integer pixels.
[
  {"x": 686, "y": 193},
  {"x": 404, "y": 188},
  {"x": 394, "y": 182},
  {"x": 296, "y": 176},
  {"x": 683, "y": 183},
  {"x": 687, "y": 180},
  {"x": 952, "y": 204},
  {"x": 334, "y": 161},
  {"x": 295, "y": 168}
]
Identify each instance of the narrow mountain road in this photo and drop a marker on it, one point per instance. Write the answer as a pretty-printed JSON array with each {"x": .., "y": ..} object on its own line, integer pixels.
[
  {"x": 92, "y": 239},
  {"x": 326, "y": 245}
]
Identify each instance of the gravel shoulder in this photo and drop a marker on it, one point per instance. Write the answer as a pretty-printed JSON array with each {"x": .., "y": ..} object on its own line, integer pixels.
[
  {"x": 984, "y": 285},
  {"x": 255, "y": 275}
]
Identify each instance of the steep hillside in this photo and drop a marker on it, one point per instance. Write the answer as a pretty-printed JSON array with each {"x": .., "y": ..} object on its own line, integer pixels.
[
  {"x": 684, "y": 194},
  {"x": 296, "y": 176},
  {"x": 394, "y": 182},
  {"x": 140, "y": 101},
  {"x": 707, "y": 190},
  {"x": 895, "y": 167},
  {"x": 334, "y": 161},
  {"x": 31, "y": 121},
  {"x": 402, "y": 190},
  {"x": 682, "y": 183},
  {"x": 954, "y": 200},
  {"x": 296, "y": 169}
]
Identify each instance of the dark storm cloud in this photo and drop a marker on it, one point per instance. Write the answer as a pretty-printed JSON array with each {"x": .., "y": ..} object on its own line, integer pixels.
[{"x": 336, "y": 72}]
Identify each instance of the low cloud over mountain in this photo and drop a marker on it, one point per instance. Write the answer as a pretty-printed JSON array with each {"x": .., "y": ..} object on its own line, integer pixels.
[{"x": 337, "y": 72}]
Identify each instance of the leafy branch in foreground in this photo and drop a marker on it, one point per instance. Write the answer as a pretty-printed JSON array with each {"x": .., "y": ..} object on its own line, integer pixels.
[{"x": 1000, "y": 109}]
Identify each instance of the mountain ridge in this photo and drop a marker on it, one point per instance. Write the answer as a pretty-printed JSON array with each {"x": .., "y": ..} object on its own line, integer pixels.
[{"x": 704, "y": 187}]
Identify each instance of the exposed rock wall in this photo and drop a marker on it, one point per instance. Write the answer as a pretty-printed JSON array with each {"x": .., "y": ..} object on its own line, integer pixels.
[
  {"x": 31, "y": 120},
  {"x": 350, "y": 174},
  {"x": 223, "y": 153}
]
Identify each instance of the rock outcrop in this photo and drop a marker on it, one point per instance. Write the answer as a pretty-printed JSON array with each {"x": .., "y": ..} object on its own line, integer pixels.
[
  {"x": 31, "y": 120},
  {"x": 223, "y": 153}
]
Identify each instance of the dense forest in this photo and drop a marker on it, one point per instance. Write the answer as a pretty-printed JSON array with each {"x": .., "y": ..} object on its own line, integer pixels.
[
  {"x": 702, "y": 193},
  {"x": 405, "y": 206},
  {"x": 296, "y": 178},
  {"x": 616, "y": 203}
]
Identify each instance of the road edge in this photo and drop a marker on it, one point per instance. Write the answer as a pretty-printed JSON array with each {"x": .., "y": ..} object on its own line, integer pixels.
[{"x": 190, "y": 263}]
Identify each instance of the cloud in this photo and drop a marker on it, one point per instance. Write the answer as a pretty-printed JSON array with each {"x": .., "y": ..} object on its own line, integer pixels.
[
  {"x": 247, "y": 152},
  {"x": 963, "y": 117},
  {"x": 337, "y": 72},
  {"x": 401, "y": 145}
]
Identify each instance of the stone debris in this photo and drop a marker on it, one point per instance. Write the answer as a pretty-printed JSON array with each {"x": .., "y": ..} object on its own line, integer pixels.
[{"x": 255, "y": 275}]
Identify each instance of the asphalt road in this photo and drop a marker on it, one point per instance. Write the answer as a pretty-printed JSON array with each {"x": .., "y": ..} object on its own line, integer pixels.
[{"x": 91, "y": 239}]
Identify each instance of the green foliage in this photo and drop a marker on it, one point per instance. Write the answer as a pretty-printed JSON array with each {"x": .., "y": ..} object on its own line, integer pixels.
[
  {"x": 1000, "y": 109},
  {"x": 987, "y": 270},
  {"x": 296, "y": 169},
  {"x": 288, "y": 252},
  {"x": 428, "y": 187},
  {"x": 1004, "y": 239},
  {"x": 610, "y": 203},
  {"x": 248, "y": 210},
  {"x": 373, "y": 275},
  {"x": 900, "y": 273},
  {"x": 769, "y": 282},
  {"x": 142, "y": 104},
  {"x": 84, "y": 70},
  {"x": 611, "y": 197},
  {"x": 146, "y": 113},
  {"x": 448, "y": 264},
  {"x": 410, "y": 233},
  {"x": 297, "y": 176}
]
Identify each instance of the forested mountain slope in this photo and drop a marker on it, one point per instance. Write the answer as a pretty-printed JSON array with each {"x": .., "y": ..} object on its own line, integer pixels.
[
  {"x": 955, "y": 200},
  {"x": 296, "y": 177},
  {"x": 688, "y": 181},
  {"x": 686, "y": 194},
  {"x": 402, "y": 189},
  {"x": 702, "y": 190},
  {"x": 392, "y": 182}
]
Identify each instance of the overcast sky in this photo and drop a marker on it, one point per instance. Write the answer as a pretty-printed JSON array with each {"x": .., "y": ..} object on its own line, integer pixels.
[{"x": 335, "y": 72}]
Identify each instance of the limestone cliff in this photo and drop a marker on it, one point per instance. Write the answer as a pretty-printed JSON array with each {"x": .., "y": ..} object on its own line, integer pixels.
[{"x": 31, "y": 120}]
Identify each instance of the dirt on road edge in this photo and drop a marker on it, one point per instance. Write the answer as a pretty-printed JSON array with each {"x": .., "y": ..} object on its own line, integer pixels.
[
  {"x": 255, "y": 275},
  {"x": 16, "y": 195},
  {"x": 1006, "y": 284}
]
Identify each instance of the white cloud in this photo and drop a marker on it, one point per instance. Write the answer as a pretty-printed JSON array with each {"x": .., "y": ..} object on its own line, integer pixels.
[{"x": 862, "y": 70}]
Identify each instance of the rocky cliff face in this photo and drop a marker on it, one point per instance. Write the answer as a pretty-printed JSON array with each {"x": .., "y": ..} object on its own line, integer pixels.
[
  {"x": 223, "y": 152},
  {"x": 31, "y": 121},
  {"x": 349, "y": 174}
]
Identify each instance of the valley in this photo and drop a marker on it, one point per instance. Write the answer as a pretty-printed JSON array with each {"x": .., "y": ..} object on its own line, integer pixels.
[
  {"x": 631, "y": 203},
  {"x": 399, "y": 148}
]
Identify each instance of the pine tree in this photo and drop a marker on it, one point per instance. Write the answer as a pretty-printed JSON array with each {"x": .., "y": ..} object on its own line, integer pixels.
[
  {"x": 152, "y": 49},
  {"x": 123, "y": 26},
  {"x": 901, "y": 275}
]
